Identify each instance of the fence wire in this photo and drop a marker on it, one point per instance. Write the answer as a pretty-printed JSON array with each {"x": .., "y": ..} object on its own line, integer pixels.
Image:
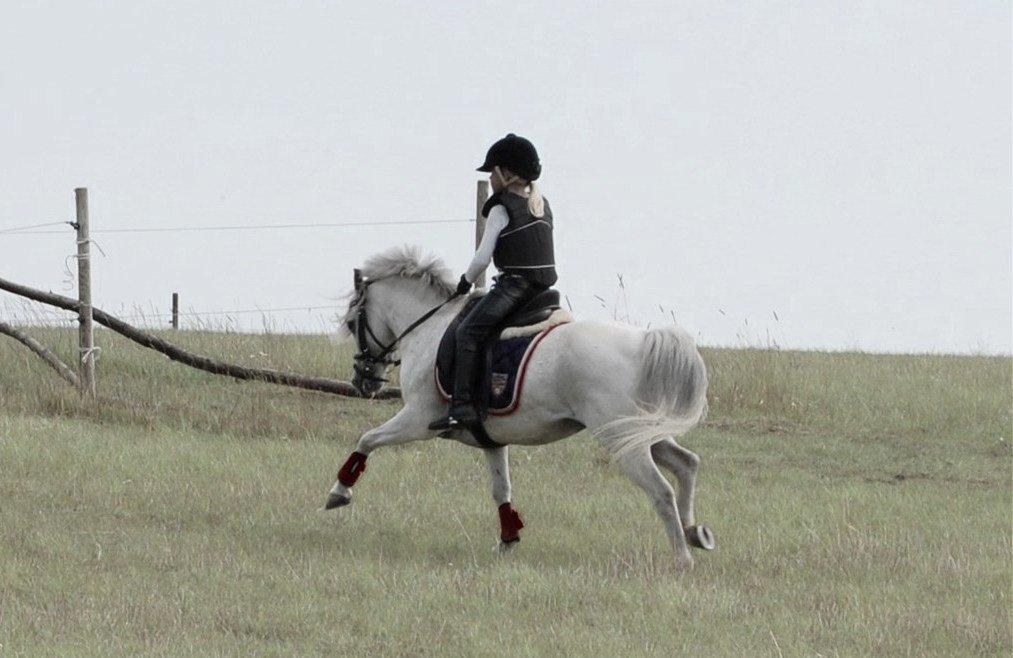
[
  {"x": 23, "y": 230},
  {"x": 37, "y": 315}
]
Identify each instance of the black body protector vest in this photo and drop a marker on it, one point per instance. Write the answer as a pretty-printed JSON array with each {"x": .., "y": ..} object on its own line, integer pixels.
[{"x": 524, "y": 247}]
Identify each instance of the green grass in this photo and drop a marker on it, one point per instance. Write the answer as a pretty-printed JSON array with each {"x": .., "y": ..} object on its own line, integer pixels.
[{"x": 861, "y": 503}]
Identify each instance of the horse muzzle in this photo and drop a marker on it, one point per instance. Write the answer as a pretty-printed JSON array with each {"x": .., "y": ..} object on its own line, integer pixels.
[{"x": 366, "y": 381}]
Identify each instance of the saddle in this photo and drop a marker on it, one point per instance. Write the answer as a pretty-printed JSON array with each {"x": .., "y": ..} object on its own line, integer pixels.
[{"x": 500, "y": 374}]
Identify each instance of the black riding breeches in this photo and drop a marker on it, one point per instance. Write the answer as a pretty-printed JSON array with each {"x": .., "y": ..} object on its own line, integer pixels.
[{"x": 509, "y": 293}]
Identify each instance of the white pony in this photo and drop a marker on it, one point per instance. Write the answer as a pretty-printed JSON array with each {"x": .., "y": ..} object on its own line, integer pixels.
[{"x": 635, "y": 390}]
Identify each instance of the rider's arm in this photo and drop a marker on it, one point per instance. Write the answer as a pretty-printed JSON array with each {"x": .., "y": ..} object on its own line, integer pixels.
[{"x": 495, "y": 223}]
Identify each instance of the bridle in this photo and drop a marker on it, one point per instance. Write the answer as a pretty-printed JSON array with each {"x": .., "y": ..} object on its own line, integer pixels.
[{"x": 368, "y": 364}]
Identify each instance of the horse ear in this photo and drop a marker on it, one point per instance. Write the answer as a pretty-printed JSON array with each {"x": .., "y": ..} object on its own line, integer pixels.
[{"x": 357, "y": 278}]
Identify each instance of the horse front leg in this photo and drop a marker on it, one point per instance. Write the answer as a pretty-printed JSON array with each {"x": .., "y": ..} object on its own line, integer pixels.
[
  {"x": 510, "y": 522},
  {"x": 405, "y": 427}
]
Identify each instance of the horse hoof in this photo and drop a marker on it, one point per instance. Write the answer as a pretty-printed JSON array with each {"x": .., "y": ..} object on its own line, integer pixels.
[
  {"x": 336, "y": 500},
  {"x": 700, "y": 536},
  {"x": 684, "y": 565},
  {"x": 507, "y": 546}
]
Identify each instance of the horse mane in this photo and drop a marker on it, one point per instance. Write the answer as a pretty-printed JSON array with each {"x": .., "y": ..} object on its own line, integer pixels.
[{"x": 408, "y": 262}]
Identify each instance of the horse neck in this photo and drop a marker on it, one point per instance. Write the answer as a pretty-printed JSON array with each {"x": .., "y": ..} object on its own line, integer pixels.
[{"x": 402, "y": 304}]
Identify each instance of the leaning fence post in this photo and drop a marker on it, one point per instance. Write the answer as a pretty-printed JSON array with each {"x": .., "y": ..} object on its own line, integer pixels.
[
  {"x": 175, "y": 310},
  {"x": 86, "y": 335},
  {"x": 481, "y": 197}
]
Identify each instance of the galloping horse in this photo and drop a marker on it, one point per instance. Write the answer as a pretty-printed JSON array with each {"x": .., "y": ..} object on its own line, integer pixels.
[{"x": 635, "y": 390}]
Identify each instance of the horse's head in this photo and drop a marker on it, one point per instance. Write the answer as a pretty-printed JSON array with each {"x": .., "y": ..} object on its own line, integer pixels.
[
  {"x": 372, "y": 360},
  {"x": 391, "y": 290}
]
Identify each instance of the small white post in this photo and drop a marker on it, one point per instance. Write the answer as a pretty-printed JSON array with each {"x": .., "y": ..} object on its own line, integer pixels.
[
  {"x": 481, "y": 197},
  {"x": 86, "y": 336}
]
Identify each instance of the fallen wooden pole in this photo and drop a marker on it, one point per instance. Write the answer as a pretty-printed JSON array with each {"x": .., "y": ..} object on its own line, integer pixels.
[
  {"x": 42, "y": 351},
  {"x": 175, "y": 353}
]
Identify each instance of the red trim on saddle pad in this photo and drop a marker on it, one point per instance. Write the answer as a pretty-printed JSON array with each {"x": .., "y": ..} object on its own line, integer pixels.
[{"x": 522, "y": 369}]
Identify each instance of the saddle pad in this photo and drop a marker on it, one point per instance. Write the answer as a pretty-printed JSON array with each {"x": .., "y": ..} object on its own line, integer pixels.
[{"x": 508, "y": 361}]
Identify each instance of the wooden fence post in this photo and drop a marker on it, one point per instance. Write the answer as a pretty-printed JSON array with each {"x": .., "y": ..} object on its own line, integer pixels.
[
  {"x": 481, "y": 197},
  {"x": 86, "y": 335},
  {"x": 175, "y": 311}
]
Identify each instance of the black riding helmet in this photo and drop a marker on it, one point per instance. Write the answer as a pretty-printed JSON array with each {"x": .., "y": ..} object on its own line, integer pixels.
[{"x": 516, "y": 154}]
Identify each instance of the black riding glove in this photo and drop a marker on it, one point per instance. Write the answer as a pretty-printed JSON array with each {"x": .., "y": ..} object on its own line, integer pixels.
[{"x": 463, "y": 287}]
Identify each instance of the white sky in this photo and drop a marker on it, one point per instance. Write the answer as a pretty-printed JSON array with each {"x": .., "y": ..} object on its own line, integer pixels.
[{"x": 845, "y": 165}]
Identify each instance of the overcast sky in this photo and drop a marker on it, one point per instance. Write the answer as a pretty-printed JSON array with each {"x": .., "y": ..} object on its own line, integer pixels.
[{"x": 846, "y": 166}]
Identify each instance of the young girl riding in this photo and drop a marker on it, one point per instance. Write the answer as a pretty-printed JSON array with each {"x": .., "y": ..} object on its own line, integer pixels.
[{"x": 518, "y": 240}]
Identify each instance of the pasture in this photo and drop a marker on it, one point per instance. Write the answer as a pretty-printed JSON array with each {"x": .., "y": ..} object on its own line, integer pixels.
[{"x": 861, "y": 505}]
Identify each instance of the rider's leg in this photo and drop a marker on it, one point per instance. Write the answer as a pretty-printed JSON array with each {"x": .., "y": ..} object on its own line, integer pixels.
[{"x": 509, "y": 293}]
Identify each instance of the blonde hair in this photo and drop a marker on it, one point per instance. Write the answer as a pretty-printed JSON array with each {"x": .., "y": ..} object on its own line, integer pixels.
[
  {"x": 536, "y": 202},
  {"x": 530, "y": 189}
]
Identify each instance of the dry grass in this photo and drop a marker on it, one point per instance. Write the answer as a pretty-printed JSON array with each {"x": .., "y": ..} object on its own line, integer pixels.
[{"x": 861, "y": 504}]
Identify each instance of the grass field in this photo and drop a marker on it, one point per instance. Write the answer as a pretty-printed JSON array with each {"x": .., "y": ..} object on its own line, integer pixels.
[{"x": 862, "y": 506}]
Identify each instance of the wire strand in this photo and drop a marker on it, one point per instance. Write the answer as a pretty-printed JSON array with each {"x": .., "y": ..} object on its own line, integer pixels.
[
  {"x": 253, "y": 227},
  {"x": 46, "y": 313},
  {"x": 19, "y": 229},
  {"x": 142, "y": 315},
  {"x": 168, "y": 229}
]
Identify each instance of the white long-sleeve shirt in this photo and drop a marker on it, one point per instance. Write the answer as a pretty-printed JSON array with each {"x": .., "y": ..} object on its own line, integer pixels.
[{"x": 494, "y": 224}]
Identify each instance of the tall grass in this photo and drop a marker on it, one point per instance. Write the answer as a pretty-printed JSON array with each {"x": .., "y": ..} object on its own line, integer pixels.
[
  {"x": 854, "y": 393},
  {"x": 861, "y": 504}
]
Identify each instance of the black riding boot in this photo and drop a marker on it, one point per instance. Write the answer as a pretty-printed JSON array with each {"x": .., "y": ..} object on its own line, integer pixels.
[
  {"x": 463, "y": 413},
  {"x": 510, "y": 293}
]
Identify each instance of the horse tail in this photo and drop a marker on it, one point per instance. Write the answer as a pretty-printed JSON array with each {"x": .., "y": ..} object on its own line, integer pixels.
[{"x": 671, "y": 394}]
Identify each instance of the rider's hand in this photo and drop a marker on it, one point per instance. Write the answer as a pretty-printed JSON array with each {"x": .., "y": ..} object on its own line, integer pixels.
[{"x": 463, "y": 287}]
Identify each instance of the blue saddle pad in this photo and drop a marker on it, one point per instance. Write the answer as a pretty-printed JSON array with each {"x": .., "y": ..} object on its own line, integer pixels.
[{"x": 506, "y": 363}]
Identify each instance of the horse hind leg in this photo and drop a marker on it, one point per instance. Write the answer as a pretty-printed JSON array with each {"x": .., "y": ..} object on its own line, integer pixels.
[
  {"x": 509, "y": 520},
  {"x": 640, "y": 467},
  {"x": 684, "y": 464}
]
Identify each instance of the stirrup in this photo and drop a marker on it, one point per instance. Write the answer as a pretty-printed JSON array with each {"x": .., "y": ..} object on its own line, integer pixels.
[
  {"x": 446, "y": 424},
  {"x": 462, "y": 420}
]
